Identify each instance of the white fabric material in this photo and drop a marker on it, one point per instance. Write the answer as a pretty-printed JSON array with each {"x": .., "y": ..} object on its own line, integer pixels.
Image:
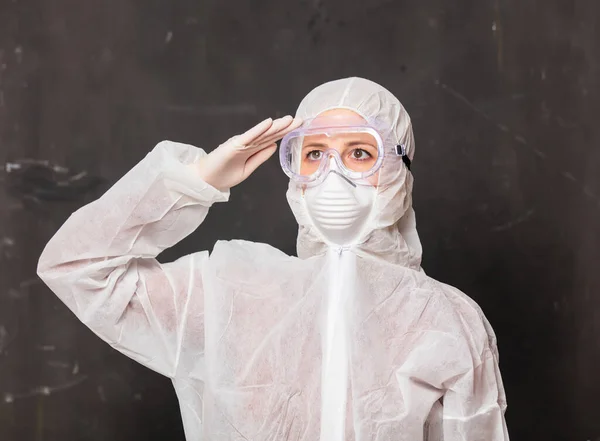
[{"x": 356, "y": 345}]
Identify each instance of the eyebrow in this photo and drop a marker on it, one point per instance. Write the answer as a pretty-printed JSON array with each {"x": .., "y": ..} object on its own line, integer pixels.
[
  {"x": 314, "y": 144},
  {"x": 349, "y": 144}
]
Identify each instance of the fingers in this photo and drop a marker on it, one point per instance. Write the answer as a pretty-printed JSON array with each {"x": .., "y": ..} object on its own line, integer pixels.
[
  {"x": 297, "y": 122},
  {"x": 278, "y": 125},
  {"x": 249, "y": 136},
  {"x": 265, "y": 133},
  {"x": 283, "y": 129},
  {"x": 258, "y": 158}
]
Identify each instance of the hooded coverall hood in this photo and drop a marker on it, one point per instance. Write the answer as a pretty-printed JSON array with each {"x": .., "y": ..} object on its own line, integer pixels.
[{"x": 391, "y": 232}]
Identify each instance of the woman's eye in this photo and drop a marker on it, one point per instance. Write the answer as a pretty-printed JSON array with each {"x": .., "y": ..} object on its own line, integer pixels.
[
  {"x": 360, "y": 154},
  {"x": 315, "y": 155}
]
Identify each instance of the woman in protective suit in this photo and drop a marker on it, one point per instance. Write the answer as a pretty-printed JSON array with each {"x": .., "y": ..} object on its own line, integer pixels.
[{"x": 349, "y": 341}]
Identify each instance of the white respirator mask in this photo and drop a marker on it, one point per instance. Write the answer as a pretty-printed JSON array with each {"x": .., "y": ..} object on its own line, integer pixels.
[{"x": 339, "y": 209}]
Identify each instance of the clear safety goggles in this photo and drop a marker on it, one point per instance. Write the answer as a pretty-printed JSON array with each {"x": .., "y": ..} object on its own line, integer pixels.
[{"x": 362, "y": 153}]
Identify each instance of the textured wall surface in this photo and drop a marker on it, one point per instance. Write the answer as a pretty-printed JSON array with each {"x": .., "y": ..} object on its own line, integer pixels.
[{"x": 504, "y": 96}]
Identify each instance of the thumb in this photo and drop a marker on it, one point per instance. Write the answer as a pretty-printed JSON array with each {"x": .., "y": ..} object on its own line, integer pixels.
[{"x": 254, "y": 161}]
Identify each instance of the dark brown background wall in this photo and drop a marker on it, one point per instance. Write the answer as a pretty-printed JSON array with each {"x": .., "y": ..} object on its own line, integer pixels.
[{"x": 505, "y": 101}]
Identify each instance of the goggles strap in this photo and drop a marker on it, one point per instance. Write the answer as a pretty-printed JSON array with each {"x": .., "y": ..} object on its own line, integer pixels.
[{"x": 401, "y": 151}]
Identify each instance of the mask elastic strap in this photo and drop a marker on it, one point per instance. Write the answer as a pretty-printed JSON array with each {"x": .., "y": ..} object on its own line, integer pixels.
[{"x": 343, "y": 177}]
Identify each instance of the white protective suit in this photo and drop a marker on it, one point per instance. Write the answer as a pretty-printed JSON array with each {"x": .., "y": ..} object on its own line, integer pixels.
[{"x": 337, "y": 344}]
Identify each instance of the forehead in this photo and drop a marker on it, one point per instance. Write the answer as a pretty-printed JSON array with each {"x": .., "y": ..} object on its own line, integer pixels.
[
  {"x": 358, "y": 137},
  {"x": 337, "y": 117}
]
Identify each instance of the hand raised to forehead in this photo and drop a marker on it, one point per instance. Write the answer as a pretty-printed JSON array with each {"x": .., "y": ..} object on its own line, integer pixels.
[{"x": 238, "y": 157}]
